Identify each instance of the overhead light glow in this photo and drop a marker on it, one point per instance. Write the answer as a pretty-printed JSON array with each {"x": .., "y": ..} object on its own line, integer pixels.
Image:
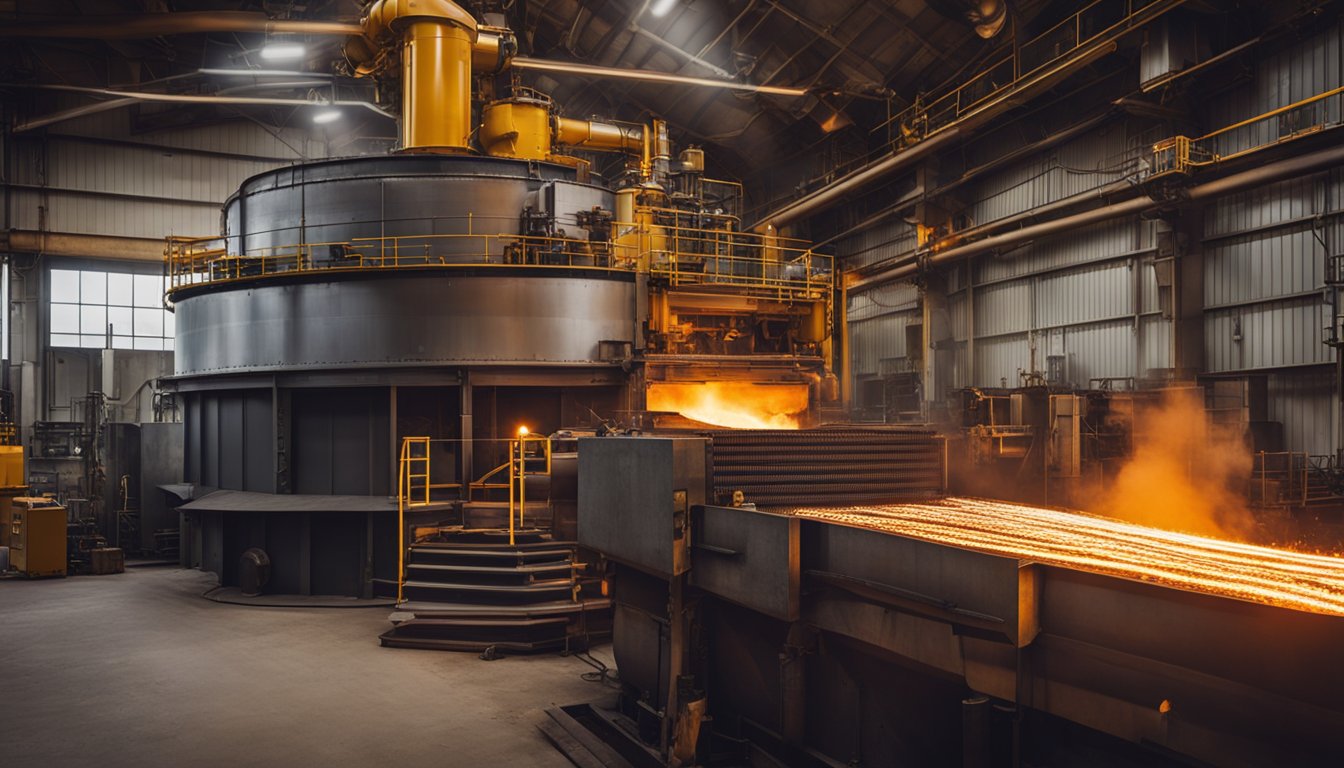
[
  {"x": 326, "y": 116},
  {"x": 282, "y": 51},
  {"x": 661, "y": 7},
  {"x": 523, "y": 431}
]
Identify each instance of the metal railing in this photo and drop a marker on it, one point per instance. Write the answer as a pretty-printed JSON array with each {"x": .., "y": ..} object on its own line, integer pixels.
[
  {"x": 529, "y": 456},
  {"x": 1180, "y": 154},
  {"x": 1280, "y": 478},
  {"x": 683, "y": 255},
  {"x": 1097, "y": 22},
  {"x": 1095, "y": 25}
]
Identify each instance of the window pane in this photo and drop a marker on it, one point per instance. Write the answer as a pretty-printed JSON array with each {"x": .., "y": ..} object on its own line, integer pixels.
[
  {"x": 119, "y": 287},
  {"x": 168, "y": 344},
  {"x": 169, "y": 324},
  {"x": 120, "y": 319},
  {"x": 148, "y": 322},
  {"x": 123, "y": 342},
  {"x": 64, "y": 340},
  {"x": 149, "y": 290},
  {"x": 65, "y": 285},
  {"x": 143, "y": 343},
  {"x": 92, "y": 287},
  {"x": 64, "y": 318},
  {"x": 91, "y": 342},
  {"x": 93, "y": 320}
]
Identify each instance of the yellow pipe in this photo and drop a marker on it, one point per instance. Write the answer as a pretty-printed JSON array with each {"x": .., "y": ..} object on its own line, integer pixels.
[
  {"x": 589, "y": 134},
  {"x": 437, "y": 38},
  {"x": 494, "y": 49},
  {"x": 436, "y": 87}
]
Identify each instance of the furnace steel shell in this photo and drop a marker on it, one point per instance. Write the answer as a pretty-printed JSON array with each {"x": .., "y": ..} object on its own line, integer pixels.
[
  {"x": 440, "y": 306},
  {"x": 433, "y": 316},
  {"x": 411, "y": 196}
]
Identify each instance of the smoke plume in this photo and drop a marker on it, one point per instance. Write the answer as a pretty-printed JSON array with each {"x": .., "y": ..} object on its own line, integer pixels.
[{"x": 1185, "y": 474}]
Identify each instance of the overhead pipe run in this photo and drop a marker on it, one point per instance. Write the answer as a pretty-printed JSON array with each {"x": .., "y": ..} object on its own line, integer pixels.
[
  {"x": 141, "y": 26},
  {"x": 180, "y": 98},
  {"x": 652, "y": 76},
  {"x": 1266, "y": 174},
  {"x": 831, "y": 194}
]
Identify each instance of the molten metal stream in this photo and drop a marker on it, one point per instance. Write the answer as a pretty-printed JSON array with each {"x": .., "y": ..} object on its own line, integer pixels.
[{"x": 1086, "y": 542}]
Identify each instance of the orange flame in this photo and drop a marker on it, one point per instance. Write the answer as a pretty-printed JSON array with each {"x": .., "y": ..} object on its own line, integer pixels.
[{"x": 734, "y": 404}]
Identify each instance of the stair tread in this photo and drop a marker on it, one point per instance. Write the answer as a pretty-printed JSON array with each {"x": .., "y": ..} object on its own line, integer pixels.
[
  {"x": 468, "y": 621},
  {"x": 419, "y": 608},
  {"x": 542, "y": 586},
  {"x": 520, "y": 569},
  {"x": 497, "y": 554}
]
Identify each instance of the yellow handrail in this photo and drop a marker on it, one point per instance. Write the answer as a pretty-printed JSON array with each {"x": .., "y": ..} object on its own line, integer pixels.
[
  {"x": 518, "y": 472},
  {"x": 740, "y": 261}
]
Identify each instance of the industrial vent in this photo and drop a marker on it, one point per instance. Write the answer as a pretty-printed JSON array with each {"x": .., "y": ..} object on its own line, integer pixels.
[{"x": 826, "y": 466}]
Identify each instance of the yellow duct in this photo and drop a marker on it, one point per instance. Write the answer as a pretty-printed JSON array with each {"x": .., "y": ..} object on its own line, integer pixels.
[
  {"x": 588, "y": 134},
  {"x": 437, "y": 39},
  {"x": 516, "y": 128}
]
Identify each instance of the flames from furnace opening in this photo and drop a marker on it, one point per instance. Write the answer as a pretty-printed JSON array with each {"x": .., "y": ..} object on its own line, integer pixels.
[{"x": 733, "y": 404}]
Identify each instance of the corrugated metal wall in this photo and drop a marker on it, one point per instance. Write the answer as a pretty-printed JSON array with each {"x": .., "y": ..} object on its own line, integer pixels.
[
  {"x": 1092, "y": 294},
  {"x": 94, "y": 175}
]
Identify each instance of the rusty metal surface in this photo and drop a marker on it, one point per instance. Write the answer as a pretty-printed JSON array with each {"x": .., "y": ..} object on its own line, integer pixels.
[{"x": 749, "y": 558}]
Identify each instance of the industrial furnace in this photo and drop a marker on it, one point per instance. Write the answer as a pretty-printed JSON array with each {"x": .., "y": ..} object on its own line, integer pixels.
[{"x": 479, "y": 279}]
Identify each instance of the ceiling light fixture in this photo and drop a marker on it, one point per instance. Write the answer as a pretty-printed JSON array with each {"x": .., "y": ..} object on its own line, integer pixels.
[
  {"x": 326, "y": 116},
  {"x": 661, "y": 7},
  {"x": 281, "y": 51}
]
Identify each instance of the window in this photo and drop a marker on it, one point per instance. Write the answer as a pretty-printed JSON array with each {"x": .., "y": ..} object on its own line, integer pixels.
[{"x": 84, "y": 303}]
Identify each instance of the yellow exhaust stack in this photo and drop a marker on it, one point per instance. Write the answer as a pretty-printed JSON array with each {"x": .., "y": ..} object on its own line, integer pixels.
[{"x": 437, "y": 40}]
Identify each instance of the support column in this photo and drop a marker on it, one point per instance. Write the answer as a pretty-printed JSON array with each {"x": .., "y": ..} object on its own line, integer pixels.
[
  {"x": 465, "y": 453},
  {"x": 1180, "y": 280}
]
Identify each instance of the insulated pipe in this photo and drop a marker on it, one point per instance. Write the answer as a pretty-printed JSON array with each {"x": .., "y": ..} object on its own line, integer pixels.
[
  {"x": 852, "y": 183},
  {"x": 180, "y": 98},
  {"x": 590, "y": 134},
  {"x": 140, "y": 26},
  {"x": 1266, "y": 174}
]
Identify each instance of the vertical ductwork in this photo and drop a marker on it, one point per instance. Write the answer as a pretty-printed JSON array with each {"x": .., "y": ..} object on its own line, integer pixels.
[{"x": 436, "y": 39}]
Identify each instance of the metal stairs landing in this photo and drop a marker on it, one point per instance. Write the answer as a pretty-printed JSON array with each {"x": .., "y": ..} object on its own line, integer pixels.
[{"x": 473, "y": 591}]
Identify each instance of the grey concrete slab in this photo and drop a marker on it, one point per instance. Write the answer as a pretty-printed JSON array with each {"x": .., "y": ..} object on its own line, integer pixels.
[{"x": 138, "y": 669}]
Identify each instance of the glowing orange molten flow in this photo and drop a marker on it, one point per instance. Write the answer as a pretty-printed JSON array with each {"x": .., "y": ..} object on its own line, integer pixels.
[
  {"x": 1281, "y": 577},
  {"x": 734, "y": 404}
]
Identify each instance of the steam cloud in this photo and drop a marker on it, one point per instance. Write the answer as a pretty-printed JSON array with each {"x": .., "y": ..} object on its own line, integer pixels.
[{"x": 1185, "y": 474}]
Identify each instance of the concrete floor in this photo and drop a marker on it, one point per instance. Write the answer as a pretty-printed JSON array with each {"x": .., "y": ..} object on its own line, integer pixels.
[{"x": 137, "y": 669}]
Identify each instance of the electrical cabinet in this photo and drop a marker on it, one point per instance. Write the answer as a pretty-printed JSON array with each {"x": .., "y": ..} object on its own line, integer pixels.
[{"x": 36, "y": 537}]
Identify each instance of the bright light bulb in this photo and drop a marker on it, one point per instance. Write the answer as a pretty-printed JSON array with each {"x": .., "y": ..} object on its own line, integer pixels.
[
  {"x": 661, "y": 7},
  {"x": 326, "y": 116},
  {"x": 282, "y": 51}
]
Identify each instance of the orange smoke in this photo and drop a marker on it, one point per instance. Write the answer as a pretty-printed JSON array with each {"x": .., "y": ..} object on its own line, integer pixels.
[
  {"x": 735, "y": 404},
  {"x": 1185, "y": 474}
]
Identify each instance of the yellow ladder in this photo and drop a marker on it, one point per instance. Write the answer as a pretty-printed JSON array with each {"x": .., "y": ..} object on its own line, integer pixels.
[
  {"x": 410, "y": 462},
  {"x": 407, "y": 463}
]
